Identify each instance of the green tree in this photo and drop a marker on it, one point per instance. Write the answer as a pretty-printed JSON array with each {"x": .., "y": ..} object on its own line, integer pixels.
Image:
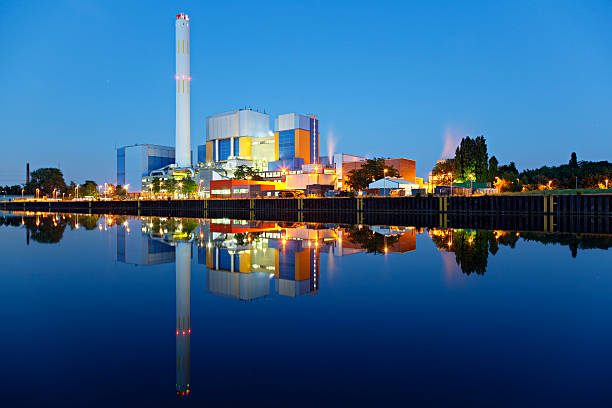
[
  {"x": 189, "y": 187},
  {"x": 443, "y": 170},
  {"x": 371, "y": 170},
  {"x": 46, "y": 180},
  {"x": 573, "y": 163},
  {"x": 492, "y": 168},
  {"x": 120, "y": 192},
  {"x": 244, "y": 172},
  {"x": 156, "y": 185},
  {"x": 89, "y": 188},
  {"x": 472, "y": 158},
  {"x": 170, "y": 186}
]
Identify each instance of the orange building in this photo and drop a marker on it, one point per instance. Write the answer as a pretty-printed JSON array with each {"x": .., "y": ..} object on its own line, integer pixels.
[
  {"x": 406, "y": 167},
  {"x": 242, "y": 188}
]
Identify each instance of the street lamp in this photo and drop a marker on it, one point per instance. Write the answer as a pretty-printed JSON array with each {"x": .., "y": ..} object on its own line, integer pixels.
[
  {"x": 22, "y": 189},
  {"x": 37, "y": 191},
  {"x": 385, "y": 180},
  {"x": 76, "y": 192},
  {"x": 451, "y": 176}
]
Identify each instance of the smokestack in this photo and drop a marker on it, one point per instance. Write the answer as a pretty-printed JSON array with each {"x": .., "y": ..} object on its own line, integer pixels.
[
  {"x": 182, "y": 151},
  {"x": 27, "y": 173}
]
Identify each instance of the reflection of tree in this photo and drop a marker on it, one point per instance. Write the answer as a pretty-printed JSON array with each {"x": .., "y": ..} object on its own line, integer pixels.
[
  {"x": 248, "y": 237},
  {"x": 472, "y": 248},
  {"x": 371, "y": 241},
  {"x": 573, "y": 241},
  {"x": 89, "y": 222},
  {"x": 174, "y": 226},
  {"x": 49, "y": 229},
  {"x": 46, "y": 230}
]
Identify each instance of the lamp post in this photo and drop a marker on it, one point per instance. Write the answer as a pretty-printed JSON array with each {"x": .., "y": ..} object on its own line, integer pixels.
[
  {"x": 76, "y": 192},
  {"x": 451, "y": 176},
  {"x": 606, "y": 184},
  {"x": 22, "y": 189},
  {"x": 37, "y": 191},
  {"x": 385, "y": 180}
]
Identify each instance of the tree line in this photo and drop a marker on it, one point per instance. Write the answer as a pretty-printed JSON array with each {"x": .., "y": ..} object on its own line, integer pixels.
[{"x": 471, "y": 161}]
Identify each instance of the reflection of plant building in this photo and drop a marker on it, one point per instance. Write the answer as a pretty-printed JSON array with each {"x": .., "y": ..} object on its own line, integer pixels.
[
  {"x": 139, "y": 249},
  {"x": 243, "y": 256}
]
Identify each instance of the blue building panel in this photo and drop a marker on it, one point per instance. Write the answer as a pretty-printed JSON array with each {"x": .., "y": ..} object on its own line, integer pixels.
[
  {"x": 286, "y": 144},
  {"x": 237, "y": 146},
  {"x": 121, "y": 166},
  {"x": 156, "y": 163},
  {"x": 292, "y": 164},
  {"x": 202, "y": 153},
  {"x": 224, "y": 149}
]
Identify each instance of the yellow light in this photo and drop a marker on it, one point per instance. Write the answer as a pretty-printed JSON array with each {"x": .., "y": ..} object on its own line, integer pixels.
[{"x": 386, "y": 249}]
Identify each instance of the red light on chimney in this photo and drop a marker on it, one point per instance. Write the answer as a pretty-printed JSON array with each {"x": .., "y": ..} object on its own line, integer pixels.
[
  {"x": 188, "y": 391},
  {"x": 177, "y": 332},
  {"x": 183, "y": 332},
  {"x": 189, "y": 330},
  {"x": 178, "y": 16}
]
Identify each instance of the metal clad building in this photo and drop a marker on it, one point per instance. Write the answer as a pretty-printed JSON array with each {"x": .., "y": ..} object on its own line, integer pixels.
[
  {"x": 137, "y": 161},
  {"x": 296, "y": 137},
  {"x": 229, "y": 134}
]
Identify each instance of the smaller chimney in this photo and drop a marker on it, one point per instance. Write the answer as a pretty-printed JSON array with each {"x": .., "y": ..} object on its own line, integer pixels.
[{"x": 27, "y": 173}]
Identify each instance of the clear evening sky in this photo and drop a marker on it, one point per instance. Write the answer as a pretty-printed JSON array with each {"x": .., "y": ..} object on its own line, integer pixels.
[{"x": 386, "y": 78}]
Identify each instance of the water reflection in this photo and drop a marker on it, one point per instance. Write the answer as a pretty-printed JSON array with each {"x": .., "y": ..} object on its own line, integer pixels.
[{"x": 249, "y": 261}]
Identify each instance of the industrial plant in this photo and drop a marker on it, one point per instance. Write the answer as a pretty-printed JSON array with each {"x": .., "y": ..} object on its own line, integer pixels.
[{"x": 285, "y": 157}]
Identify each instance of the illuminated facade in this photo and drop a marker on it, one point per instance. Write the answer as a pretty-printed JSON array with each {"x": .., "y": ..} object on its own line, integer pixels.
[
  {"x": 232, "y": 134},
  {"x": 296, "y": 141}
]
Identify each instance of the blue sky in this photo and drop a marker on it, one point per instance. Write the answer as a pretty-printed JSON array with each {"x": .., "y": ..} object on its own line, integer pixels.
[{"x": 386, "y": 78}]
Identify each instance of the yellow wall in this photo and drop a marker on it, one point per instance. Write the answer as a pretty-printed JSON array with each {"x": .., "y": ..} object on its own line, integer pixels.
[
  {"x": 275, "y": 146},
  {"x": 209, "y": 151},
  {"x": 302, "y": 265},
  {"x": 245, "y": 262},
  {"x": 245, "y": 147},
  {"x": 302, "y": 145}
]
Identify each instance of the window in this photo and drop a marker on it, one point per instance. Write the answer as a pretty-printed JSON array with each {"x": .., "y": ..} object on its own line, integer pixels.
[
  {"x": 226, "y": 191},
  {"x": 241, "y": 191}
]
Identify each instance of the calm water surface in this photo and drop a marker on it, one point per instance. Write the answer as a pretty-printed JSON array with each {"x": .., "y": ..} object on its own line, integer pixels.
[{"x": 112, "y": 311}]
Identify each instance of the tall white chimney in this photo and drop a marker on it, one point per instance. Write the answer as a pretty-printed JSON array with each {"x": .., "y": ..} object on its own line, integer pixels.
[{"x": 183, "y": 82}]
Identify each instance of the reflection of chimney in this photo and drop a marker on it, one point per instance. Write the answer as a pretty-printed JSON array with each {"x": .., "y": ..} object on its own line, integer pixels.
[
  {"x": 183, "y": 319},
  {"x": 27, "y": 173}
]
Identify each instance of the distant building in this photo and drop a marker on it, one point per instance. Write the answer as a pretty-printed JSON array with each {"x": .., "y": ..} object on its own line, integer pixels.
[
  {"x": 406, "y": 167},
  {"x": 137, "y": 161},
  {"x": 392, "y": 183}
]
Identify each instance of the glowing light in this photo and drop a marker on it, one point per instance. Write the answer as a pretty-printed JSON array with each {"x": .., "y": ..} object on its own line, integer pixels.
[
  {"x": 183, "y": 332},
  {"x": 189, "y": 330},
  {"x": 386, "y": 249},
  {"x": 177, "y": 332}
]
